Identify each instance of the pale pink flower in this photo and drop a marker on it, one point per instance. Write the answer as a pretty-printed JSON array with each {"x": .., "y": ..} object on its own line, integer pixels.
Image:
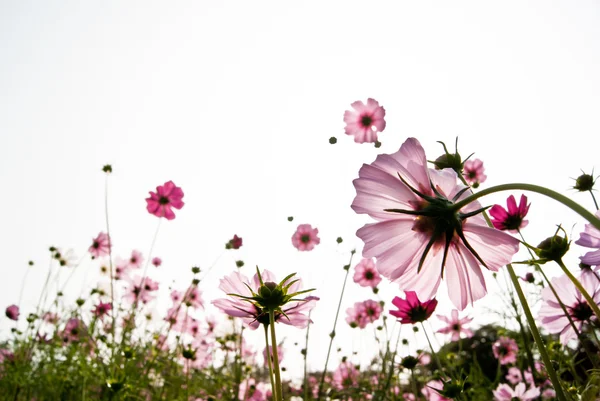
[
  {"x": 505, "y": 393},
  {"x": 551, "y": 314},
  {"x": 279, "y": 353},
  {"x": 12, "y": 312},
  {"x": 473, "y": 172},
  {"x": 512, "y": 219},
  {"x": 514, "y": 376},
  {"x": 251, "y": 390},
  {"x": 590, "y": 238},
  {"x": 193, "y": 297},
  {"x": 73, "y": 330},
  {"x": 135, "y": 260},
  {"x": 167, "y": 196},
  {"x": 418, "y": 237},
  {"x": 409, "y": 397},
  {"x": 345, "y": 376},
  {"x": 140, "y": 289},
  {"x": 455, "y": 326},
  {"x": 430, "y": 393},
  {"x": 365, "y": 121},
  {"x": 363, "y": 313},
  {"x": 156, "y": 261},
  {"x": 366, "y": 275},
  {"x": 305, "y": 238},
  {"x": 505, "y": 349},
  {"x": 411, "y": 310},
  {"x": 100, "y": 246}
]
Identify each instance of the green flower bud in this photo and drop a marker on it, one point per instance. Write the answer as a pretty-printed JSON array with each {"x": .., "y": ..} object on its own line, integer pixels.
[
  {"x": 553, "y": 248},
  {"x": 585, "y": 182}
]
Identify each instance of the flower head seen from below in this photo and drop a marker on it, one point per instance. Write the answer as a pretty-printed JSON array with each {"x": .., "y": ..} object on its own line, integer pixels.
[
  {"x": 306, "y": 237},
  {"x": 365, "y": 121},
  {"x": 234, "y": 243},
  {"x": 505, "y": 393},
  {"x": 505, "y": 349},
  {"x": 366, "y": 275},
  {"x": 590, "y": 238},
  {"x": 363, "y": 313},
  {"x": 473, "y": 172},
  {"x": 156, "y": 261},
  {"x": 419, "y": 237},
  {"x": 411, "y": 310},
  {"x": 162, "y": 202},
  {"x": 512, "y": 219},
  {"x": 100, "y": 246},
  {"x": 455, "y": 326},
  {"x": 12, "y": 312}
]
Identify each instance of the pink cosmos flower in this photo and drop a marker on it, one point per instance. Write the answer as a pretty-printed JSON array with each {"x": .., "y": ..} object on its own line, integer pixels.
[
  {"x": 279, "y": 353},
  {"x": 409, "y": 397},
  {"x": 590, "y": 238},
  {"x": 73, "y": 329},
  {"x": 430, "y": 393},
  {"x": 345, "y": 376},
  {"x": 156, "y": 261},
  {"x": 140, "y": 289},
  {"x": 473, "y": 172},
  {"x": 193, "y": 297},
  {"x": 456, "y": 326},
  {"x": 305, "y": 238},
  {"x": 511, "y": 219},
  {"x": 251, "y": 315},
  {"x": 363, "y": 313},
  {"x": 551, "y": 313},
  {"x": 505, "y": 350},
  {"x": 102, "y": 309},
  {"x": 234, "y": 243},
  {"x": 505, "y": 393},
  {"x": 514, "y": 376},
  {"x": 365, "y": 121},
  {"x": 12, "y": 312},
  {"x": 166, "y": 197},
  {"x": 135, "y": 260},
  {"x": 412, "y": 310},
  {"x": 366, "y": 275},
  {"x": 100, "y": 246},
  {"x": 418, "y": 237}
]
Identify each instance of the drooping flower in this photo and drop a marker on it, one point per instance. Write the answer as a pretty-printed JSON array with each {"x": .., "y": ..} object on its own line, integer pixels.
[
  {"x": 306, "y": 238},
  {"x": 511, "y": 219},
  {"x": 418, "y": 236},
  {"x": 455, "y": 326},
  {"x": 365, "y": 121},
  {"x": 551, "y": 314},
  {"x": 345, "y": 376},
  {"x": 590, "y": 238},
  {"x": 412, "y": 310},
  {"x": 12, "y": 312},
  {"x": 100, "y": 246},
  {"x": 430, "y": 391},
  {"x": 166, "y": 197},
  {"x": 234, "y": 243},
  {"x": 366, "y": 275},
  {"x": 156, "y": 261},
  {"x": 505, "y": 350},
  {"x": 505, "y": 393},
  {"x": 473, "y": 172}
]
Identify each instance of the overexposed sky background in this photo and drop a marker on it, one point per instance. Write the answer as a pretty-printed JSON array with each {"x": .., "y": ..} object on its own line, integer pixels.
[{"x": 236, "y": 101}]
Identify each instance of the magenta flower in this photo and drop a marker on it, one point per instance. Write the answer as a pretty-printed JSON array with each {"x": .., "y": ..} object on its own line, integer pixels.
[
  {"x": 12, "y": 312},
  {"x": 102, "y": 309},
  {"x": 305, "y": 238},
  {"x": 166, "y": 197},
  {"x": 418, "y": 237},
  {"x": 590, "y": 238},
  {"x": 505, "y": 350},
  {"x": 156, "y": 261},
  {"x": 345, "y": 376},
  {"x": 234, "y": 243},
  {"x": 551, "y": 313},
  {"x": 505, "y": 393},
  {"x": 100, "y": 246},
  {"x": 412, "y": 310},
  {"x": 455, "y": 326},
  {"x": 72, "y": 331},
  {"x": 366, "y": 275},
  {"x": 431, "y": 393},
  {"x": 473, "y": 172},
  {"x": 365, "y": 121},
  {"x": 511, "y": 219}
]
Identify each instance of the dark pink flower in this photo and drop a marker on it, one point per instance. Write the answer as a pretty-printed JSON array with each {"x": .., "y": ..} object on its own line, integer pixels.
[
  {"x": 511, "y": 219},
  {"x": 505, "y": 393},
  {"x": 156, "y": 261},
  {"x": 366, "y": 275},
  {"x": 100, "y": 246},
  {"x": 365, "y": 121},
  {"x": 418, "y": 236},
  {"x": 73, "y": 330},
  {"x": 12, "y": 312},
  {"x": 455, "y": 326},
  {"x": 412, "y": 310},
  {"x": 305, "y": 238},
  {"x": 167, "y": 196},
  {"x": 590, "y": 238},
  {"x": 505, "y": 349},
  {"x": 102, "y": 309},
  {"x": 234, "y": 243},
  {"x": 345, "y": 376},
  {"x": 473, "y": 172}
]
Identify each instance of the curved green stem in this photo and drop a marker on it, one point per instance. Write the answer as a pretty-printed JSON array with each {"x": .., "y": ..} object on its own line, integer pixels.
[{"x": 279, "y": 393}]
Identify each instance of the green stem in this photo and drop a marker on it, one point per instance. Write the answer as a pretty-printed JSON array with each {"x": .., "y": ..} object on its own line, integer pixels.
[
  {"x": 594, "y": 199},
  {"x": 437, "y": 360},
  {"x": 269, "y": 360},
  {"x": 581, "y": 289},
  {"x": 279, "y": 393},
  {"x": 532, "y": 188},
  {"x": 305, "y": 359}
]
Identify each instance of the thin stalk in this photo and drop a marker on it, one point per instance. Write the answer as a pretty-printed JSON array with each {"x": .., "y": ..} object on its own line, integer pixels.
[
  {"x": 112, "y": 278},
  {"x": 437, "y": 360},
  {"x": 305, "y": 359},
  {"x": 581, "y": 288},
  {"x": 279, "y": 396},
  {"x": 594, "y": 199},
  {"x": 269, "y": 359}
]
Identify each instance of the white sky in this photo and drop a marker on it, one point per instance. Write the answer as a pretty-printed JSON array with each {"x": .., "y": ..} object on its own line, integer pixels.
[{"x": 235, "y": 102}]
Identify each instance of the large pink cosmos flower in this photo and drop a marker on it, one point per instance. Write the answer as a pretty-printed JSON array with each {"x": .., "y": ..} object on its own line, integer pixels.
[
  {"x": 366, "y": 275},
  {"x": 511, "y": 219},
  {"x": 551, "y": 313},
  {"x": 505, "y": 393},
  {"x": 166, "y": 197},
  {"x": 100, "y": 246},
  {"x": 412, "y": 310},
  {"x": 306, "y": 238},
  {"x": 365, "y": 121},
  {"x": 590, "y": 238},
  {"x": 473, "y": 172},
  {"x": 418, "y": 237},
  {"x": 253, "y": 316},
  {"x": 455, "y": 326},
  {"x": 505, "y": 350}
]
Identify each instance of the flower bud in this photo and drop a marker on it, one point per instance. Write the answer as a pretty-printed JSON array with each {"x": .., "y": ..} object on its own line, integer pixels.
[
  {"x": 409, "y": 362},
  {"x": 585, "y": 182},
  {"x": 553, "y": 248}
]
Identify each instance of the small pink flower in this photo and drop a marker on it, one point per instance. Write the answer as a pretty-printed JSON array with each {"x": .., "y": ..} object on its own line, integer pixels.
[
  {"x": 234, "y": 243},
  {"x": 100, "y": 246},
  {"x": 345, "y": 376},
  {"x": 305, "y": 238},
  {"x": 514, "y": 376},
  {"x": 590, "y": 238},
  {"x": 73, "y": 329},
  {"x": 279, "y": 353},
  {"x": 363, "y": 313},
  {"x": 365, "y": 121},
  {"x": 412, "y": 310},
  {"x": 430, "y": 393},
  {"x": 456, "y": 326},
  {"x": 366, "y": 275},
  {"x": 505, "y": 393},
  {"x": 12, "y": 312},
  {"x": 511, "y": 219},
  {"x": 140, "y": 289},
  {"x": 193, "y": 297},
  {"x": 102, "y": 309},
  {"x": 409, "y": 397},
  {"x": 167, "y": 196},
  {"x": 473, "y": 172},
  {"x": 156, "y": 261},
  {"x": 135, "y": 260},
  {"x": 505, "y": 350}
]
